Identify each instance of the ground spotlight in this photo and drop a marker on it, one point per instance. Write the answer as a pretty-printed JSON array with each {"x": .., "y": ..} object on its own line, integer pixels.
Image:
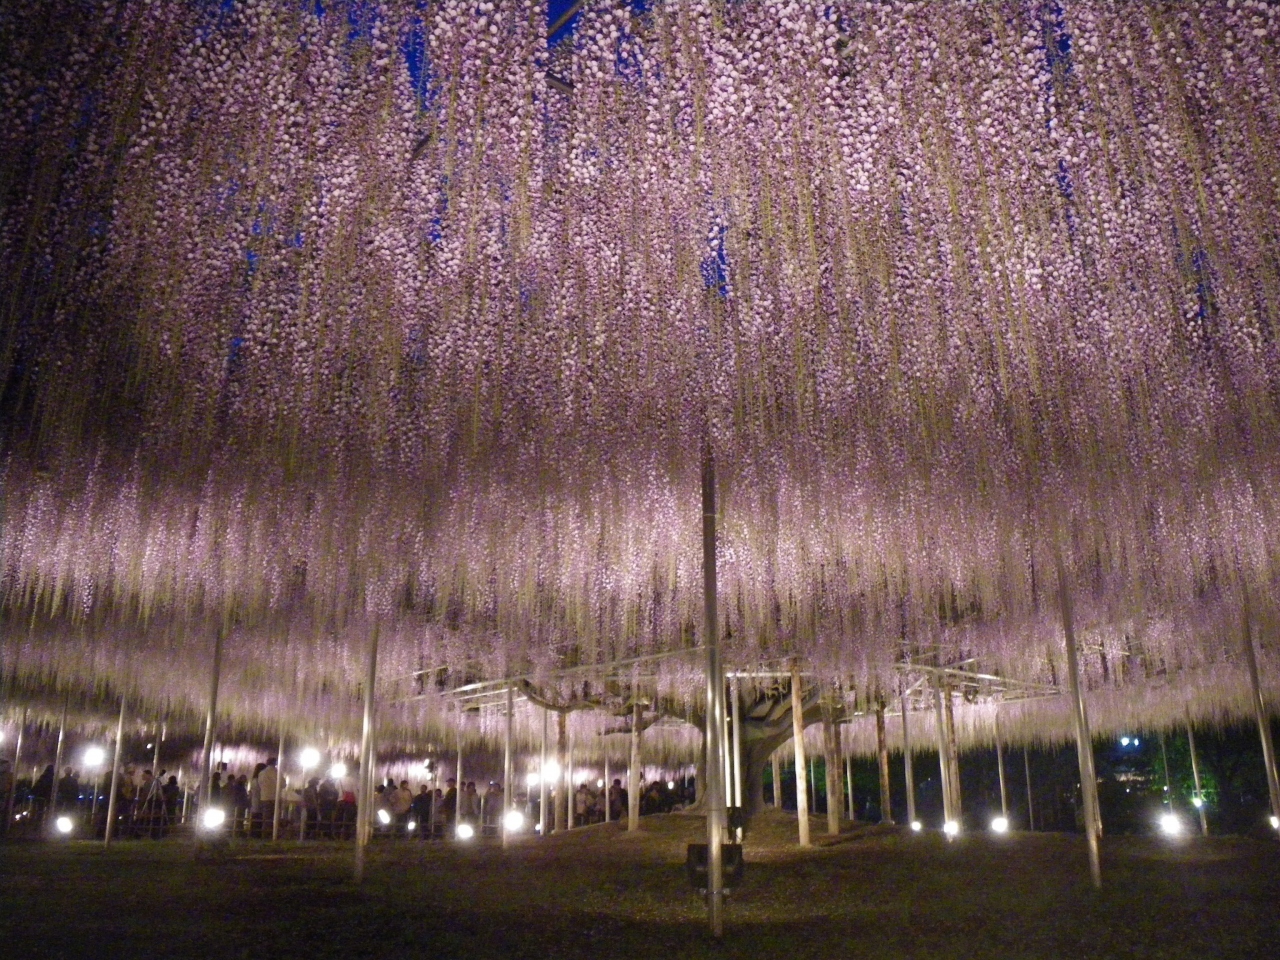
[
  {"x": 916, "y": 826},
  {"x": 309, "y": 757},
  {"x": 338, "y": 770},
  {"x": 533, "y": 779},
  {"x": 551, "y": 771},
  {"x": 464, "y": 831},
  {"x": 1197, "y": 802},
  {"x": 1170, "y": 825},
  {"x": 1000, "y": 825},
  {"x": 64, "y": 824},
  {"x": 513, "y": 821},
  {"x": 213, "y": 818},
  {"x": 1275, "y": 822},
  {"x": 599, "y": 784},
  {"x": 411, "y": 826},
  {"x": 384, "y": 817},
  {"x": 94, "y": 757},
  {"x": 951, "y": 828}
]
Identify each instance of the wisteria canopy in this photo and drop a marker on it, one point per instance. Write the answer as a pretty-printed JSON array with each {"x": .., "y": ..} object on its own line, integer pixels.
[{"x": 317, "y": 319}]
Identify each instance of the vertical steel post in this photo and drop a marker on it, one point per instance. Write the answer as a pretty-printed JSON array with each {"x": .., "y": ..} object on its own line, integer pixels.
[
  {"x": 797, "y": 737},
  {"x": 1195, "y": 775},
  {"x": 506, "y": 770},
  {"x": 570, "y": 800},
  {"x": 633, "y": 772},
  {"x": 848, "y": 782},
  {"x": 737, "y": 741},
  {"x": 562, "y": 762},
  {"x": 1260, "y": 712},
  {"x": 57, "y": 756},
  {"x": 1031, "y": 810},
  {"x": 1084, "y": 742},
  {"x": 908, "y": 765},
  {"x": 944, "y": 768},
  {"x": 1004, "y": 790},
  {"x": 115, "y": 777},
  {"x": 275, "y": 809},
  {"x": 206, "y": 756},
  {"x": 953, "y": 753},
  {"x": 835, "y": 801},
  {"x": 458, "y": 771},
  {"x": 776, "y": 771},
  {"x": 608, "y": 785},
  {"x": 715, "y": 700},
  {"x": 364, "y": 798},
  {"x": 1168, "y": 785},
  {"x": 882, "y": 758},
  {"x": 542, "y": 779},
  {"x": 13, "y": 790}
]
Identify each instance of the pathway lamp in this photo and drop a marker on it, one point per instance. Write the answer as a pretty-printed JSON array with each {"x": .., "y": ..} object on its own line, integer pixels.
[
  {"x": 951, "y": 828},
  {"x": 513, "y": 821},
  {"x": 916, "y": 826},
  {"x": 1000, "y": 825},
  {"x": 309, "y": 758},
  {"x": 1170, "y": 825},
  {"x": 464, "y": 831},
  {"x": 64, "y": 825}
]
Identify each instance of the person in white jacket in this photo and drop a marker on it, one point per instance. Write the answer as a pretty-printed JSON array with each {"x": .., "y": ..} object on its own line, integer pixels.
[{"x": 266, "y": 781}]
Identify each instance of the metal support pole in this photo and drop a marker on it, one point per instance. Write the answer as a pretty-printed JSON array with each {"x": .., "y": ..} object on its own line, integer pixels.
[
  {"x": 364, "y": 798},
  {"x": 506, "y": 771},
  {"x": 737, "y": 742},
  {"x": 944, "y": 768},
  {"x": 115, "y": 777},
  {"x": 882, "y": 756},
  {"x": 633, "y": 772},
  {"x": 206, "y": 757},
  {"x": 848, "y": 782},
  {"x": 1195, "y": 775},
  {"x": 155, "y": 757},
  {"x": 458, "y": 772},
  {"x": 13, "y": 789},
  {"x": 1031, "y": 810},
  {"x": 542, "y": 779},
  {"x": 776, "y": 771},
  {"x": 953, "y": 753},
  {"x": 275, "y": 808},
  {"x": 1084, "y": 742},
  {"x": 57, "y": 756},
  {"x": 1168, "y": 786},
  {"x": 1260, "y": 713},
  {"x": 1004, "y": 790},
  {"x": 797, "y": 736},
  {"x": 835, "y": 798},
  {"x": 608, "y": 785},
  {"x": 562, "y": 761},
  {"x": 715, "y": 701},
  {"x": 908, "y": 766},
  {"x": 569, "y": 798}
]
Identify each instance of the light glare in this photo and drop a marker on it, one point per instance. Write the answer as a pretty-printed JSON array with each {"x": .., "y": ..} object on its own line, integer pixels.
[
  {"x": 533, "y": 779},
  {"x": 64, "y": 824},
  {"x": 309, "y": 757},
  {"x": 1170, "y": 825},
  {"x": 383, "y": 817},
  {"x": 94, "y": 757},
  {"x": 1000, "y": 825},
  {"x": 916, "y": 826},
  {"x": 213, "y": 818},
  {"x": 513, "y": 821},
  {"x": 338, "y": 770},
  {"x": 464, "y": 831},
  {"x": 951, "y": 828}
]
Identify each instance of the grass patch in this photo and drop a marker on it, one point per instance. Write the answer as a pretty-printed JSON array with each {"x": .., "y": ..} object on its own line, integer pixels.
[{"x": 599, "y": 892}]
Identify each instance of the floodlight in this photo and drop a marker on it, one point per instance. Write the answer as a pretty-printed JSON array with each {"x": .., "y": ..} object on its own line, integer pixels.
[
  {"x": 384, "y": 818},
  {"x": 1124, "y": 741},
  {"x": 213, "y": 818},
  {"x": 951, "y": 828},
  {"x": 94, "y": 757},
  {"x": 1000, "y": 825},
  {"x": 309, "y": 757},
  {"x": 671, "y": 784},
  {"x": 552, "y": 771},
  {"x": 338, "y": 770},
  {"x": 533, "y": 779},
  {"x": 513, "y": 821},
  {"x": 464, "y": 831},
  {"x": 916, "y": 826},
  {"x": 411, "y": 825},
  {"x": 599, "y": 784},
  {"x": 1197, "y": 802},
  {"x": 1275, "y": 822},
  {"x": 64, "y": 824},
  {"x": 1170, "y": 825}
]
